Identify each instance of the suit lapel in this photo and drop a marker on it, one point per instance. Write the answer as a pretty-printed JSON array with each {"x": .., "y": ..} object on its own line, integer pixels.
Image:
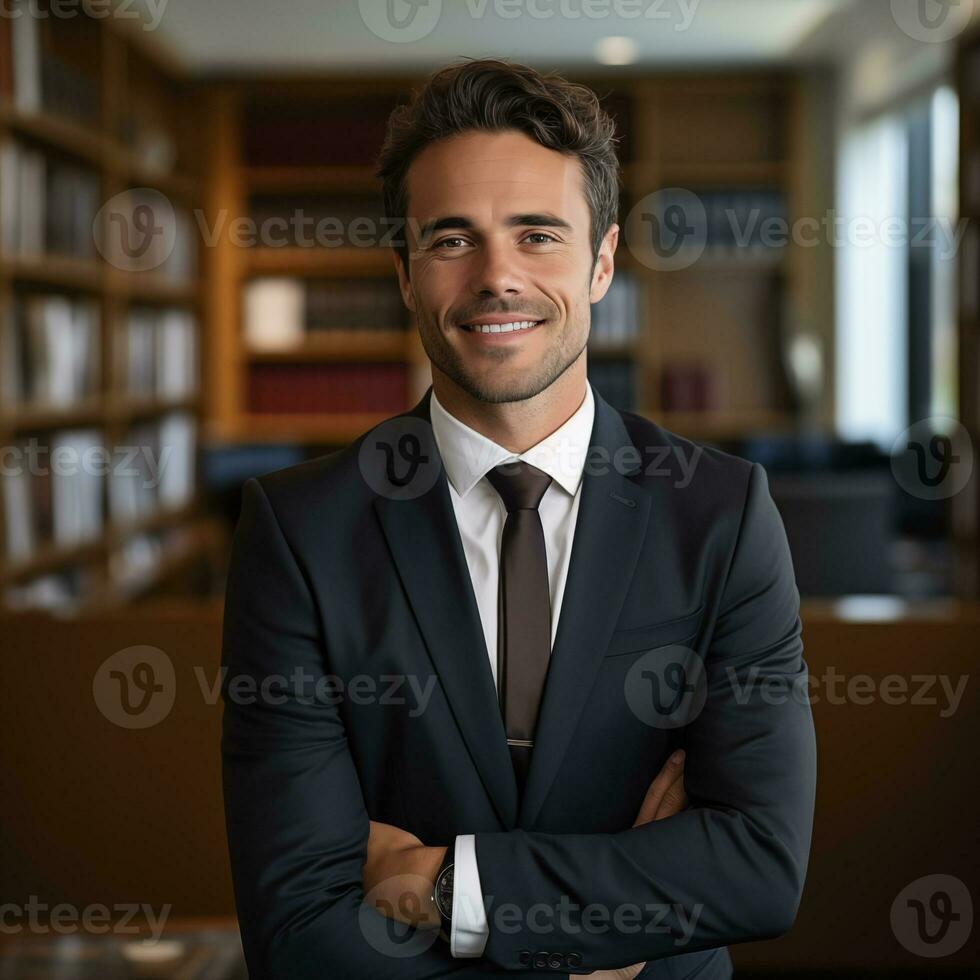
[{"x": 426, "y": 547}]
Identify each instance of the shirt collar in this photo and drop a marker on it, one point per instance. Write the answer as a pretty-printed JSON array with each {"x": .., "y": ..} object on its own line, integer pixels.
[{"x": 469, "y": 455}]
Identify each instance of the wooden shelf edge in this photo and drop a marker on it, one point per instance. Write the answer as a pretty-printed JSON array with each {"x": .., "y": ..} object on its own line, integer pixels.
[
  {"x": 49, "y": 558},
  {"x": 60, "y": 271},
  {"x": 56, "y": 132},
  {"x": 332, "y": 428},
  {"x": 337, "y": 345},
  {"x": 304, "y": 262}
]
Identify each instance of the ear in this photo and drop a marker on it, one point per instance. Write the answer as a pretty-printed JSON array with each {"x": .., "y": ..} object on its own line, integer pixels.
[
  {"x": 602, "y": 274},
  {"x": 404, "y": 285}
]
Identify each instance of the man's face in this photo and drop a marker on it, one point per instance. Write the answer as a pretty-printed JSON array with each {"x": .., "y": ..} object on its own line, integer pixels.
[{"x": 498, "y": 230}]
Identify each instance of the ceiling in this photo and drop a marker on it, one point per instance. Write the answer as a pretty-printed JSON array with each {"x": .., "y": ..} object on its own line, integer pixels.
[{"x": 349, "y": 36}]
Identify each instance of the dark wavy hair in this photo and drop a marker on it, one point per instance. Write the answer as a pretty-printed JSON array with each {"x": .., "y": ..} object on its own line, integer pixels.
[{"x": 493, "y": 95}]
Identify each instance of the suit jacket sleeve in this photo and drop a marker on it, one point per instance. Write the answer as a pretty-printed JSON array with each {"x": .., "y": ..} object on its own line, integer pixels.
[
  {"x": 295, "y": 815},
  {"x": 733, "y": 864}
]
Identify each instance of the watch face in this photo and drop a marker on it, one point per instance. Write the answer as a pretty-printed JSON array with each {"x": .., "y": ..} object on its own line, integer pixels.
[{"x": 444, "y": 892}]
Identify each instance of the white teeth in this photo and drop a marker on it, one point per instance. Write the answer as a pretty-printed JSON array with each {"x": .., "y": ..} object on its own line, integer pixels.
[{"x": 501, "y": 327}]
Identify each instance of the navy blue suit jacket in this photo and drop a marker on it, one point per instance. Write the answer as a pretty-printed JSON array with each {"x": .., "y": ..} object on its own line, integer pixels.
[{"x": 680, "y": 598}]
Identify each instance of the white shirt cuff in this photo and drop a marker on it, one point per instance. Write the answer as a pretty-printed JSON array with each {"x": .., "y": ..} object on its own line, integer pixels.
[{"x": 470, "y": 928}]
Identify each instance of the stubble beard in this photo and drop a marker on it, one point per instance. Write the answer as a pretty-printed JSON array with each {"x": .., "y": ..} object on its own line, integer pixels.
[{"x": 557, "y": 359}]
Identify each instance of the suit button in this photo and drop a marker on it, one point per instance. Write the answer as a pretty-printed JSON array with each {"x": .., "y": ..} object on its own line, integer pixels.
[
  {"x": 540, "y": 961},
  {"x": 574, "y": 960},
  {"x": 556, "y": 961},
  {"x": 525, "y": 957}
]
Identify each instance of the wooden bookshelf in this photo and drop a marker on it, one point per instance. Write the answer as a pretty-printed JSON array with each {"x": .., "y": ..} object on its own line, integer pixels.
[
  {"x": 725, "y": 313},
  {"x": 143, "y": 131}
]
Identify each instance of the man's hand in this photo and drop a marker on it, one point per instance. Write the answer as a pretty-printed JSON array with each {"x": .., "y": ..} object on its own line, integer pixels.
[
  {"x": 399, "y": 875},
  {"x": 664, "y": 798},
  {"x": 666, "y": 795},
  {"x": 399, "y": 871}
]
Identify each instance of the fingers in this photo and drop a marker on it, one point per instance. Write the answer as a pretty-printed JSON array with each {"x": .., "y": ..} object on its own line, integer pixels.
[
  {"x": 675, "y": 799},
  {"x": 672, "y": 771}
]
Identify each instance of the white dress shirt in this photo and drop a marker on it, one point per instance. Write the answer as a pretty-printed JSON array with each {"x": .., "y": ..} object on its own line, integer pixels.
[{"x": 480, "y": 514}]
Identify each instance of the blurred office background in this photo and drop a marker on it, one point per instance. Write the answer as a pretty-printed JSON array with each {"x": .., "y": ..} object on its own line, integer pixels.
[{"x": 195, "y": 288}]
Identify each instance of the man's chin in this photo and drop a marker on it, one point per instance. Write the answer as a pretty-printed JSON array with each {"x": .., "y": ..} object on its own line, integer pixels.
[{"x": 497, "y": 391}]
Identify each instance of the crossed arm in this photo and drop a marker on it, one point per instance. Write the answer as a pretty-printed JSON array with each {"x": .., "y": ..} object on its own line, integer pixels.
[
  {"x": 736, "y": 859},
  {"x": 399, "y": 872}
]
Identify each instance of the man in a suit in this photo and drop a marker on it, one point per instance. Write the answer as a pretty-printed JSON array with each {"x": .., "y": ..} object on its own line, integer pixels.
[{"x": 458, "y": 651}]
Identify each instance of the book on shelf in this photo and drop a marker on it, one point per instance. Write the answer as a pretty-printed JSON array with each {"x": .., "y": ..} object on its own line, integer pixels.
[
  {"x": 50, "y": 351},
  {"x": 76, "y": 487},
  {"x": 144, "y": 131},
  {"x": 690, "y": 387},
  {"x": 18, "y": 503},
  {"x": 147, "y": 232},
  {"x": 615, "y": 381},
  {"x": 25, "y": 56},
  {"x": 156, "y": 468},
  {"x": 353, "y": 220},
  {"x": 134, "y": 480},
  {"x": 327, "y": 388},
  {"x": 354, "y": 304},
  {"x": 37, "y": 76},
  {"x": 737, "y": 222},
  {"x": 279, "y": 311},
  {"x": 287, "y": 134},
  {"x": 273, "y": 312},
  {"x": 178, "y": 444},
  {"x": 52, "y": 493},
  {"x": 47, "y": 206},
  {"x": 160, "y": 353},
  {"x": 176, "y": 355},
  {"x": 614, "y": 317}
]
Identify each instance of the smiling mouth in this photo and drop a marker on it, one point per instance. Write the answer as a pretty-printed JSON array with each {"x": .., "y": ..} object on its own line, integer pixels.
[{"x": 515, "y": 326}]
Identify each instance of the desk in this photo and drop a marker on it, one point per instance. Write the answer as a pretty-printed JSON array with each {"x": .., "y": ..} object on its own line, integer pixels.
[{"x": 186, "y": 950}]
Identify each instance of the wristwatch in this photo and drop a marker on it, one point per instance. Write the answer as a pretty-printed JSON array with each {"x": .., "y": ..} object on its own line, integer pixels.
[{"x": 442, "y": 891}]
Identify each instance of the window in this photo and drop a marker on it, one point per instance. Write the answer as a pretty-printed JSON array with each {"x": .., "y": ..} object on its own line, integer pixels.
[{"x": 897, "y": 238}]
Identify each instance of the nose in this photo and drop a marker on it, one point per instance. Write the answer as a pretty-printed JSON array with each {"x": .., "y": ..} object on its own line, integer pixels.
[{"x": 497, "y": 272}]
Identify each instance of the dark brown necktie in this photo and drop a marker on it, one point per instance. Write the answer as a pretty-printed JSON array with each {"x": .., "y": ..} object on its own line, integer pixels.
[{"x": 524, "y": 608}]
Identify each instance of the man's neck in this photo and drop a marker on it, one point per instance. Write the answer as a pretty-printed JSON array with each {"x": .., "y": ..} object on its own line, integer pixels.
[{"x": 517, "y": 426}]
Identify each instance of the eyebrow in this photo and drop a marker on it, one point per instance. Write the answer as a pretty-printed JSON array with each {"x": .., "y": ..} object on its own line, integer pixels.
[{"x": 544, "y": 219}]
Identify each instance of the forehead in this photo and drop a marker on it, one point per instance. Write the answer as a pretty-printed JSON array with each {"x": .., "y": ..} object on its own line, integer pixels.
[{"x": 478, "y": 172}]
